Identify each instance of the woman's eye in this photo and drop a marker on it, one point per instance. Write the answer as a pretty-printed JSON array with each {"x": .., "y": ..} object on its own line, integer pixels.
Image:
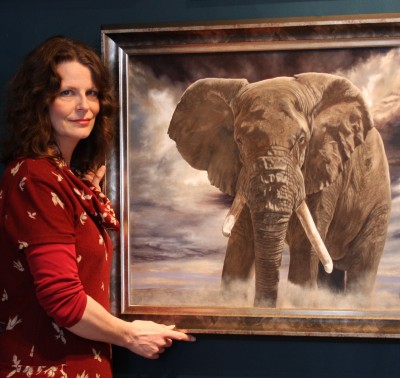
[
  {"x": 92, "y": 93},
  {"x": 65, "y": 93}
]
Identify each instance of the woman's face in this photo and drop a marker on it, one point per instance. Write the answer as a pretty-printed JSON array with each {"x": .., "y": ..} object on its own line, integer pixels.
[{"x": 74, "y": 110}]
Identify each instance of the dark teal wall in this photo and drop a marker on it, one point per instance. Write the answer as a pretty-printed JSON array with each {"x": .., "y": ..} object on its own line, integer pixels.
[{"x": 25, "y": 23}]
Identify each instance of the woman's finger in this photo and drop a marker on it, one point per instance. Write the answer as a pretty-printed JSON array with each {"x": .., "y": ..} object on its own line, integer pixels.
[{"x": 98, "y": 176}]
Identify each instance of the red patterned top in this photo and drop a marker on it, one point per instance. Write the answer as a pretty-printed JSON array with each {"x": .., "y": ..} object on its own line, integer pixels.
[{"x": 42, "y": 203}]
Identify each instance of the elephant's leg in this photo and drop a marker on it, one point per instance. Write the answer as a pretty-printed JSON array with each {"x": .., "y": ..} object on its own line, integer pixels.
[
  {"x": 239, "y": 258},
  {"x": 365, "y": 252},
  {"x": 335, "y": 281}
]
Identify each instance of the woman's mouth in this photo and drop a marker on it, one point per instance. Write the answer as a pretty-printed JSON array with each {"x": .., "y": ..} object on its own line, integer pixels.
[{"x": 83, "y": 121}]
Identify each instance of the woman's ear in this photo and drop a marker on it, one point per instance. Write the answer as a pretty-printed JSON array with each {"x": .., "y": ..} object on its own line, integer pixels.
[
  {"x": 340, "y": 122},
  {"x": 203, "y": 126}
]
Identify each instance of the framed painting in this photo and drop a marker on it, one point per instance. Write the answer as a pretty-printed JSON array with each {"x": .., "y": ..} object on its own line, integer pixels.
[{"x": 196, "y": 100}]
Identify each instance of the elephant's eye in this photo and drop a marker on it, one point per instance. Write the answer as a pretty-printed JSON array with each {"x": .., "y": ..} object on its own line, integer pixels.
[
  {"x": 301, "y": 140},
  {"x": 239, "y": 141}
]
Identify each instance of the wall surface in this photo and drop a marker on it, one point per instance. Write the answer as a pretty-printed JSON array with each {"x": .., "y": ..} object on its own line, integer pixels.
[{"x": 25, "y": 23}]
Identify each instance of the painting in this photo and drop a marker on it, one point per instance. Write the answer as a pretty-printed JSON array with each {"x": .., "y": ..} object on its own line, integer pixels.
[{"x": 195, "y": 101}]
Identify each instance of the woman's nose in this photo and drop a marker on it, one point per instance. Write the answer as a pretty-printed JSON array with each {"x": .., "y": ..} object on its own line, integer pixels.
[{"x": 83, "y": 103}]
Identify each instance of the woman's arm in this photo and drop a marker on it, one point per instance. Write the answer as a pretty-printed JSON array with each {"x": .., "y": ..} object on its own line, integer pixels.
[
  {"x": 61, "y": 294},
  {"x": 145, "y": 338}
]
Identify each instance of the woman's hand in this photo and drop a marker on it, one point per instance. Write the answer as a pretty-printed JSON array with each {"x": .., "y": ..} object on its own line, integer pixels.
[
  {"x": 96, "y": 177},
  {"x": 149, "y": 339},
  {"x": 145, "y": 338}
]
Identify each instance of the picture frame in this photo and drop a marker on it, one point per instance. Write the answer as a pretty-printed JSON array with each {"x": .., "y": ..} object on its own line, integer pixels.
[{"x": 153, "y": 64}]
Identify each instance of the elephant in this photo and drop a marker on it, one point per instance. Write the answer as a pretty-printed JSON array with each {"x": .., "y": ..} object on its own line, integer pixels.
[{"x": 304, "y": 165}]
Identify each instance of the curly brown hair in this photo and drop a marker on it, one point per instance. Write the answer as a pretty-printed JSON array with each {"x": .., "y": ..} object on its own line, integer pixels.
[{"x": 35, "y": 86}]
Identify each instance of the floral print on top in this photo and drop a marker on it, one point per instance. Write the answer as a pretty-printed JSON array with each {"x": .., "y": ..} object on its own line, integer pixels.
[{"x": 43, "y": 202}]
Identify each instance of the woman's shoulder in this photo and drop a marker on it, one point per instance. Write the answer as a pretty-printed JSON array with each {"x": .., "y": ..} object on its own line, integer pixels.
[
  {"x": 30, "y": 166},
  {"x": 43, "y": 169}
]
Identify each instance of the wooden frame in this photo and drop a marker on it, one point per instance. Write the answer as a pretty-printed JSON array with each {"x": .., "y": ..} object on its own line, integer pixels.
[{"x": 128, "y": 51}]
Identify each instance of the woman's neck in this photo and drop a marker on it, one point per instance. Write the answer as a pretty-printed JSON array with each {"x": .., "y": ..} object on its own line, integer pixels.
[{"x": 65, "y": 154}]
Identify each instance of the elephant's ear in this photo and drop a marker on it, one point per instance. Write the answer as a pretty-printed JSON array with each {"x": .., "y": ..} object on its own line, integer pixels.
[
  {"x": 203, "y": 128},
  {"x": 339, "y": 123}
]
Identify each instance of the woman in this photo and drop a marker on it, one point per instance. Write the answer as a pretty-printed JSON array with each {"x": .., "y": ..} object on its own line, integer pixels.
[{"x": 55, "y": 252}]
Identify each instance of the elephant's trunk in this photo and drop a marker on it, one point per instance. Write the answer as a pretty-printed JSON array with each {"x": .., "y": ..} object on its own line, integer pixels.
[
  {"x": 275, "y": 188},
  {"x": 268, "y": 245}
]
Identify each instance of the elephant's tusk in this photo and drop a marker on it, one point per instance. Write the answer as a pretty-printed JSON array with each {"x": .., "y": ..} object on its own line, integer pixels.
[
  {"x": 233, "y": 214},
  {"x": 313, "y": 235}
]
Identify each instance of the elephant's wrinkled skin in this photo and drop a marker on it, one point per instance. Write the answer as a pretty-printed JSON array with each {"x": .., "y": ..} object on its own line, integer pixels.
[{"x": 275, "y": 143}]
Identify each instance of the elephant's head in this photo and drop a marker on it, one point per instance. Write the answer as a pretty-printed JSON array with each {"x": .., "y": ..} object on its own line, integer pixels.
[{"x": 269, "y": 144}]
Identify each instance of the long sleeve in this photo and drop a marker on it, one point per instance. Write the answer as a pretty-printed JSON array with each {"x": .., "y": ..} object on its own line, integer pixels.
[{"x": 57, "y": 284}]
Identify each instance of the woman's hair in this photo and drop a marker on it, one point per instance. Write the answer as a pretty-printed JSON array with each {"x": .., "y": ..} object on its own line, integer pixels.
[{"x": 35, "y": 86}]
